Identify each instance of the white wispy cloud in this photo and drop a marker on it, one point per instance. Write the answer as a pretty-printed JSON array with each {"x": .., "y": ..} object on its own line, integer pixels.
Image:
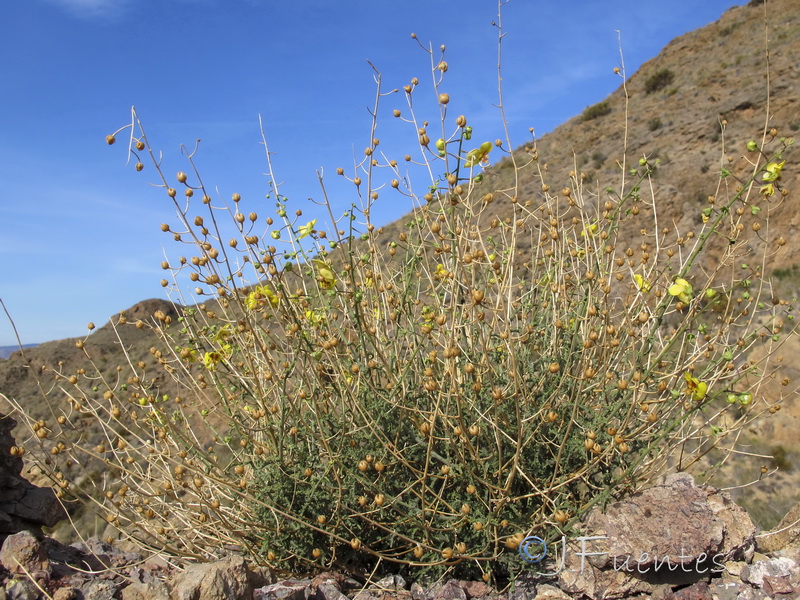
[{"x": 107, "y": 9}]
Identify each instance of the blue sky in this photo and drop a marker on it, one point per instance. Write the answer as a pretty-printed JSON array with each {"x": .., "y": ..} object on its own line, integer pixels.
[{"x": 79, "y": 230}]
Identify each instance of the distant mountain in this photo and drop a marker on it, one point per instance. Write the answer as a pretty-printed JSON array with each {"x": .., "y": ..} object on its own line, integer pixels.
[{"x": 7, "y": 351}]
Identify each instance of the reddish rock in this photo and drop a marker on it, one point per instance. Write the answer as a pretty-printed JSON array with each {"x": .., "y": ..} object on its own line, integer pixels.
[
  {"x": 476, "y": 589},
  {"x": 226, "y": 579},
  {"x": 23, "y": 554}
]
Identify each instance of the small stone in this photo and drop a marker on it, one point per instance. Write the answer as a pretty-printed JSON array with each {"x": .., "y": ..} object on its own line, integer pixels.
[
  {"x": 65, "y": 593},
  {"x": 451, "y": 590},
  {"x": 329, "y": 591},
  {"x": 21, "y": 589},
  {"x": 288, "y": 589},
  {"x": 773, "y": 567},
  {"x": 391, "y": 582},
  {"x": 99, "y": 589},
  {"x": 778, "y": 585},
  {"x": 417, "y": 592},
  {"x": 549, "y": 592},
  {"x": 475, "y": 589},
  {"x": 152, "y": 590},
  {"x": 726, "y": 590}
]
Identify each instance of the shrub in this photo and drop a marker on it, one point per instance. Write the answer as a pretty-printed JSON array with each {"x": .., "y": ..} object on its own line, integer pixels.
[
  {"x": 785, "y": 273},
  {"x": 422, "y": 397},
  {"x": 597, "y": 110},
  {"x": 658, "y": 80}
]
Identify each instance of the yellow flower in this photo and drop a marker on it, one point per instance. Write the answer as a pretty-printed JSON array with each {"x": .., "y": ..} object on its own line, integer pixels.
[
  {"x": 428, "y": 314},
  {"x": 641, "y": 284},
  {"x": 211, "y": 359},
  {"x": 222, "y": 334},
  {"x": 696, "y": 388},
  {"x": 325, "y": 274},
  {"x": 259, "y": 296},
  {"x": 306, "y": 230},
  {"x": 768, "y": 190},
  {"x": 315, "y": 319},
  {"x": 773, "y": 171},
  {"x": 478, "y": 155},
  {"x": 589, "y": 231},
  {"x": 682, "y": 290}
]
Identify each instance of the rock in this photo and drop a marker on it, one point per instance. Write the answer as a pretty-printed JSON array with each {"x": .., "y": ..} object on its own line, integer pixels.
[
  {"x": 329, "y": 591},
  {"x": 451, "y": 590},
  {"x": 525, "y": 588},
  {"x": 549, "y": 592},
  {"x": 417, "y": 592},
  {"x": 226, "y": 579},
  {"x": 99, "y": 589},
  {"x": 778, "y": 585},
  {"x": 586, "y": 579},
  {"x": 391, "y": 582},
  {"x": 476, "y": 589},
  {"x": 328, "y": 586},
  {"x": 152, "y": 590},
  {"x": 726, "y": 590},
  {"x": 773, "y": 568},
  {"x": 288, "y": 589},
  {"x": 784, "y": 535},
  {"x": 23, "y": 506},
  {"x": 696, "y": 591},
  {"x": 22, "y": 589},
  {"x": 22, "y": 554},
  {"x": 674, "y": 533},
  {"x": 675, "y": 521},
  {"x": 66, "y": 593}
]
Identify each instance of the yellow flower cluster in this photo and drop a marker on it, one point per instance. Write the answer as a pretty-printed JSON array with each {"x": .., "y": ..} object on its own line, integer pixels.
[{"x": 771, "y": 176}]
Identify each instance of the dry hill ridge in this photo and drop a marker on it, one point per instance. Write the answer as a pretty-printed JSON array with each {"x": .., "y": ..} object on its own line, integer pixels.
[{"x": 678, "y": 102}]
